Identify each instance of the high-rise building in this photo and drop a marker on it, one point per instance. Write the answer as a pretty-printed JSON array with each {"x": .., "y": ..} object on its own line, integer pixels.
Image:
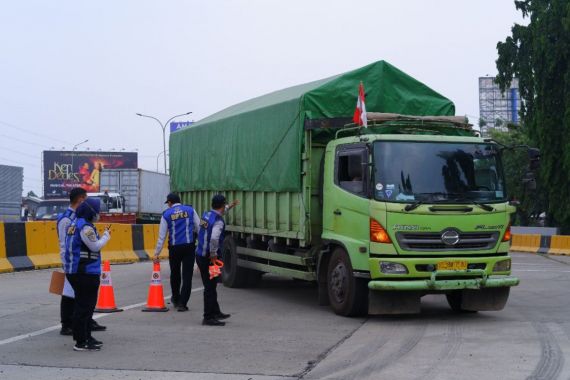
[{"x": 497, "y": 108}]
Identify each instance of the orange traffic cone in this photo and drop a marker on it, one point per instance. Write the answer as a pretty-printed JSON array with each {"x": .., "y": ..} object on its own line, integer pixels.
[
  {"x": 155, "y": 300},
  {"x": 106, "y": 300}
]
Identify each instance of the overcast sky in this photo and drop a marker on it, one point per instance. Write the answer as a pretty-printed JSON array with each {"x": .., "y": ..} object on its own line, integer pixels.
[{"x": 76, "y": 70}]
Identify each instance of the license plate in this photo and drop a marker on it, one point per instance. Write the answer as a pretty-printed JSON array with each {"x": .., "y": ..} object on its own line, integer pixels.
[{"x": 452, "y": 265}]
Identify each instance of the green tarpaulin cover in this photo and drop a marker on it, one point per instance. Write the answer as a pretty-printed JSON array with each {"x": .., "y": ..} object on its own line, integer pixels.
[{"x": 256, "y": 145}]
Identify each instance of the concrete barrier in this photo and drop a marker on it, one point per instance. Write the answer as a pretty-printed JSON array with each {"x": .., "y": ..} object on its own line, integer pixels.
[
  {"x": 16, "y": 247},
  {"x": 5, "y": 265},
  {"x": 544, "y": 244},
  {"x": 120, "y": 248},
  {"x": 560, "y": 245},
  {"x": 150, "y": 239},
  {"x": 525, "y": 243},
  {"x": 34, "y": 245},
  {"x": 42, "y": 245}
]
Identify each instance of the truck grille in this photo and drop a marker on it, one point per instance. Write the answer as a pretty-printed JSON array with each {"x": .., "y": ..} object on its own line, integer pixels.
[{"x": 432, "y": 241}]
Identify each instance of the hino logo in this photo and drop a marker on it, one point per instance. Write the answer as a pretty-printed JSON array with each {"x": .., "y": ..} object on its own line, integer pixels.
[{"x": 450, "y": 237}]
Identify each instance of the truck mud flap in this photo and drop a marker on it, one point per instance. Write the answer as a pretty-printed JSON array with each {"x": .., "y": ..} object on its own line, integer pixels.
[
  {"x": 486, "y": 299},
  {"x": 381, "y": 303}
]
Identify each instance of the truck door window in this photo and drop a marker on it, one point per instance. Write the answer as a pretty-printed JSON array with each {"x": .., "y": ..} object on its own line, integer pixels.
[{"x": 350, "y": 170}]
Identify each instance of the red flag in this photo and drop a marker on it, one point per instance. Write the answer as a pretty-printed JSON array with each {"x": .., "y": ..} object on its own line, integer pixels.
[{"x": 360, "y": 111}]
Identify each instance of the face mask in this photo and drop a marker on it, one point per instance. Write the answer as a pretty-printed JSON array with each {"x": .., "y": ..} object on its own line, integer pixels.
[{"x": 96, "y": 218}]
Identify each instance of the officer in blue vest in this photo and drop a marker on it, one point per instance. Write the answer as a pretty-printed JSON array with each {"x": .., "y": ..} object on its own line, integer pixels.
[
  {"x": 180, "y": 222},
  {"x": 210, "y": 240},
  {"x": 76, "y": 196},
  {"x": 82, "y": 265}
]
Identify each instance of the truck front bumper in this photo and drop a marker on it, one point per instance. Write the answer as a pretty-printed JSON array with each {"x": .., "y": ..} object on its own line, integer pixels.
[{"x": 475, "y": 279}]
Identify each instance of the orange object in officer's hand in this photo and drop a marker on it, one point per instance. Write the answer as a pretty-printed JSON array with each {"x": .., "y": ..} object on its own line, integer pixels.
[{"x": 215, "y": 268}]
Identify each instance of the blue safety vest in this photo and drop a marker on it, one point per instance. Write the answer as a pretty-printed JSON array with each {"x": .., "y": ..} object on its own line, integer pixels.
[
  {"x": 78, "y": 258},
  {"x": 180, "y": 222},
  {"x": 206, "y": 226},
  {"x": 69, "y": 214}
]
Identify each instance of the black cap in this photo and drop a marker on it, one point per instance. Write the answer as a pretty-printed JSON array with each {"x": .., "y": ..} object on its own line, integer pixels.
[
  {"x": 218, "y": 201},
  {"x": 172, "y": 198}
]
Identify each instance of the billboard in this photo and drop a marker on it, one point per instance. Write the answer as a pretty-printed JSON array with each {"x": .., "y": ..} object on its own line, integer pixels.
[
  {"x": 64, "y": 170},
  {"x": 177, "y": 125}
]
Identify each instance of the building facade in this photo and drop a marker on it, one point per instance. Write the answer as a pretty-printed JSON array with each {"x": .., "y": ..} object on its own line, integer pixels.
[{"x": 496, "y": 108}]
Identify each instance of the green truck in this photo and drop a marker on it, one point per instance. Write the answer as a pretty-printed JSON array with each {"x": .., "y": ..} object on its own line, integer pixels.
[{"x": 378, "y": 217}]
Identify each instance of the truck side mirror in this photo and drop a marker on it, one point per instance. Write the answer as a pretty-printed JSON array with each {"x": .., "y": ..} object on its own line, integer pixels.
[{"x": 534, "y": 158}]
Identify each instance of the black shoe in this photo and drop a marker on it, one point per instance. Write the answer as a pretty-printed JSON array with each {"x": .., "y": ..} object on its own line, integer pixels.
[
  {"x": 94, "y": 342},
  {"x": 97, "y": 327},
  {"x": 85, "y": 346},
  {"x": 68, "y": 331},
  {"x": 174, "y": 302},
  {"x": 221, "y": 316},
  {"x": 212, "y": 322},
  {"x": 182, "y": 308}
]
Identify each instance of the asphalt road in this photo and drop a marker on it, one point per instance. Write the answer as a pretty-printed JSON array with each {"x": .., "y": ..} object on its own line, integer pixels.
[{"x": 278, "y": 331}]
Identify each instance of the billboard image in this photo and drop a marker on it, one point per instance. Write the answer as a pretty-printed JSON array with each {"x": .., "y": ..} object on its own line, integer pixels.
[{"x": 64, "y": 170}]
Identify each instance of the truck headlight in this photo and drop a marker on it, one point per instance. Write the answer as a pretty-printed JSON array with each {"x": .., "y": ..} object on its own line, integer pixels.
[
  {"x": 392, "y": 268},
  {"x": 502, "y": 266}
]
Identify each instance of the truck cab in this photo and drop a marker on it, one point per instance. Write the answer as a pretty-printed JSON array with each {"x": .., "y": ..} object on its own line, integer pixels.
[
  {"x": 414, "y": 213},
  {"x": 111, "y": 203},
  {"x": 49, "y": 209}
]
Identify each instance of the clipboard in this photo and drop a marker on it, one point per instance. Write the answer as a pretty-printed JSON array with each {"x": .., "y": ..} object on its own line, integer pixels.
[{"x": 56, "y": 283}]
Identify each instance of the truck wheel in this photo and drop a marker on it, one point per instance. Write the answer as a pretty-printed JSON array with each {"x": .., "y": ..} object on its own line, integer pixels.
[
  {"x": 348, "y": 295},
  {"x": 454, "y": 300},
  {"x": 232, "y": 275}
]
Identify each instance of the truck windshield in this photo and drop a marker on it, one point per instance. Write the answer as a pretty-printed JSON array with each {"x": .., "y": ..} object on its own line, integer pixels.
[
  {"x": 406, "y": 171},
  {"x": 50, "y": 210},
  {"x": 105, "y": 201}
]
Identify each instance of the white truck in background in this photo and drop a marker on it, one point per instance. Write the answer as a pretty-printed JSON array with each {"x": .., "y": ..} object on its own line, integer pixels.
[{"x": 138, "y": 191}]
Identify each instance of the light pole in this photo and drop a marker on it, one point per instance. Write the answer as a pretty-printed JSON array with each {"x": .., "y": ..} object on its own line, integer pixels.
[
  {"x": 163, "y": 126},
  {"x": 157, "y": 159},
  {"x": 81, "y": 143},
  {"x": 73, "y": 150}
]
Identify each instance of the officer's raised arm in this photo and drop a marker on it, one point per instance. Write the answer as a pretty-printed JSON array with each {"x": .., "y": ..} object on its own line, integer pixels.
[{"x": 89, "y": 237}]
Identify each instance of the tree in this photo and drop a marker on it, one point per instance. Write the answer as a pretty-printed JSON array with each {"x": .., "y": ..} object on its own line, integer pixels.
[
  {"x": 539, "y": 54},
  {"x": 515, "y": 165}
]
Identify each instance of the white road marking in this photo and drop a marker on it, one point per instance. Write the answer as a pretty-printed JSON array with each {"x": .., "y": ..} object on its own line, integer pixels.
[
  {"x": 541, "y": 270},
  {"x": 53, "y": 328},
  {"x": 545, "y": 264}
]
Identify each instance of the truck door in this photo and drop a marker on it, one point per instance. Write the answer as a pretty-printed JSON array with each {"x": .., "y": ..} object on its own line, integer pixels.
[{"x": 346, "y": 201}]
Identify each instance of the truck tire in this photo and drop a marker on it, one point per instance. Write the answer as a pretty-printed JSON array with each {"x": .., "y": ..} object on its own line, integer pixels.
[
  {"x": 454, "y": 300},
  {"x": 232, "y": 275},
  {"x": 348, "y": 296}
]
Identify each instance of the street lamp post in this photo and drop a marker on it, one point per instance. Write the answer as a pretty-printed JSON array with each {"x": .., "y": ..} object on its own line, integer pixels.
[
  {"x": 81, "y": 143},
  {"x": 73, "y": 150},
  {"x": 163, "y": 126},
  {"x": 157, "y": 157}
]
